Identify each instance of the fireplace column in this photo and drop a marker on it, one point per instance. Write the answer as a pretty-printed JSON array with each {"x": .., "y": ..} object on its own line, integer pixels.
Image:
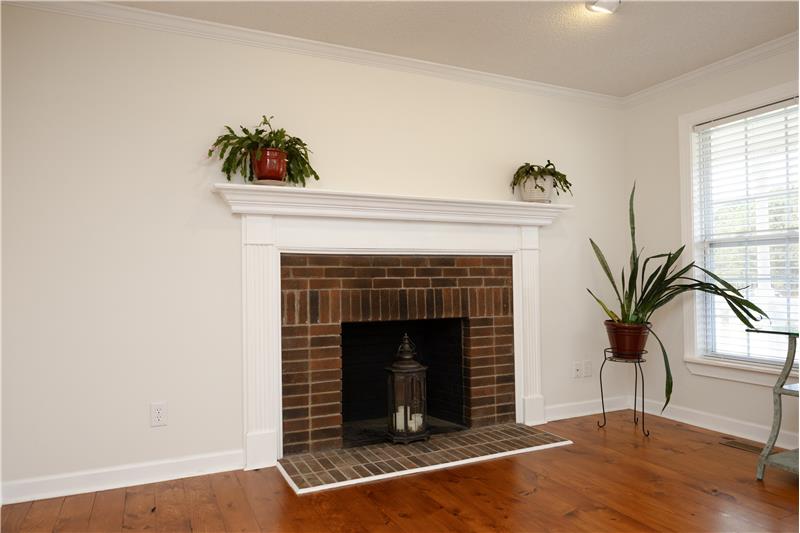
[
  {"x": 262, "y": 341},
  {"x": 527, "y": 324}
]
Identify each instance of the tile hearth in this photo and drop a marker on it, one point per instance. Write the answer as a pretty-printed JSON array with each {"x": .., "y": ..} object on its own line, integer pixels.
[{"x": 311, "y": 472}]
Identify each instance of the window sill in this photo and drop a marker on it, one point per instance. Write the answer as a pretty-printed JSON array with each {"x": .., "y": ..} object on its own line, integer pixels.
[{"x": 733, "y": 371}]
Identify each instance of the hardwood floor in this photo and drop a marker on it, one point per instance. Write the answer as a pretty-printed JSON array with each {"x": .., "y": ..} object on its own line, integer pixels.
[{"x": 680, "y": 479}]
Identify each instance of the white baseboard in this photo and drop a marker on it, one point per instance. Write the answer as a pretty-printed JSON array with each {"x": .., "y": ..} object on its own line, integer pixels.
[
  {"x": 722, "y": 424},
  {"x": 590, "y": 407},
  {"x": 703, "y": 419},
  {"x": 120, "y": 476},
  {"x": 193, "y": 465}
]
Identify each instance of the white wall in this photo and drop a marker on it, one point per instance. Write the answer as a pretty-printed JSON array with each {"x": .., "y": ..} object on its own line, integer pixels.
[
  {"x": 122, "y": 271},
  {"x": 652, "y": 156}
]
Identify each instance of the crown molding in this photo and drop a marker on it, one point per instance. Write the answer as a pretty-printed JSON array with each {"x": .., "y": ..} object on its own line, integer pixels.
[
  {"x": 751, "y": 55},
  {"x": 272, "y": 41},
  {"x": 152, "y": 20}
]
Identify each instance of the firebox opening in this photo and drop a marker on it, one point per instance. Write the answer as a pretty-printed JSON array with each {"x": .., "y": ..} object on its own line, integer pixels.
[{"x": 369, "y": 347}]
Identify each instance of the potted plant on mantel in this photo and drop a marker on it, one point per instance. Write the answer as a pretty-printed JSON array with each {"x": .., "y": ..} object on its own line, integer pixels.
[
  {"x": 264, "y": 155},
  {"x": 537, "y": 182},
  {"x": 641, "y": 294}
]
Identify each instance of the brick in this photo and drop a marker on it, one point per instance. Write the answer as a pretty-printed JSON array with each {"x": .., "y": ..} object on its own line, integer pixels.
[
  {"x": 325, "y": 352},
  {"x": 325, "y": 260},
  {"x": 291, "y": 449},
  {"x": 326, "y": 421},
  {"x": 340, "y": 272},
  {"x": 326, "y": 397},
  {"x": 295, "y": 425},
  {"x": 414, "y": 260},
  {"x": 293, "y": 389},
  {"x": 294, "y": 284},
  {"x": 470, "y": 282},
  {"x": 295, "y": 378},
  {"x": 336, "y": 306},
  {"x": 294, "y": 331},
  {"x": 386, "y": 260},
  {"x": 325, "y": 375},
  {"x": 325, "y": 329},
  {"x": 370, "y": 272},
  {"x": 427, "y": 272},
  {"x": 293, "y": 260},
  {"x": 313, "y": 307},
  {"x": 480, "y": 272},
  {"x": 295, "y": 412},
  {"x": 326, "y": 386},
  {"x": 399, "y": 272},
  {"x": 290, "y": 343},
  {"x": 416, "y": 282},
  {"x": 442, "y": 261},
  {"x": 356, "y": 283},
  {"x": 326, "y": 364},
  {"x": 496, "y": 282},
  {"x": 326, "y": 444},
  {"x": 387, "y": 283},
  {"x": 291, "y": 367},
  {"x": 326, "y": 433},
  {"x": 444, "y": 282},
  {"x": 324, "y": 307},
  {"x": 296, "y": 401},
  {"x": 468, "y": 261},
  {"x": 325, "y": 283},
  {"x": 295, "y": 437},
  {"x": 325, "y": 409},
  {"x": 496, "y": 261},
  {"x": 307, "y": 272}
]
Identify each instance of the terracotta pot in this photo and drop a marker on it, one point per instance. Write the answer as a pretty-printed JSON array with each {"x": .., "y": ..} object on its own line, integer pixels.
[
  {"x": 270, "y": 166},
  {"x": 627, "y": 340}
]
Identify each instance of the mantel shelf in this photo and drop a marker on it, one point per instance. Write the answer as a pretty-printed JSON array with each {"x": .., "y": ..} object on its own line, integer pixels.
[{"x": 292, "y": 201}]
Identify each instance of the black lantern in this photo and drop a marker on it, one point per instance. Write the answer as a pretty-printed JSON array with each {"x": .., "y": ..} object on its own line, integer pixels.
[{"x": 408, "y": 417}]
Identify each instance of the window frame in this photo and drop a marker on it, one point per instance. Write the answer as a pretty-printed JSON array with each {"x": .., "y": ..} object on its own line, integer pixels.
[{"x": 698, "y": 363}]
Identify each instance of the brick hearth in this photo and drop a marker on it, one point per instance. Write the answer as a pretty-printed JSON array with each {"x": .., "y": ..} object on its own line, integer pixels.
[{"x": 319, "y": 292}]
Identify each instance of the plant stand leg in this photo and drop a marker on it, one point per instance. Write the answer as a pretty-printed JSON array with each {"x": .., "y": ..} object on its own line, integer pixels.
[
  {"x": 635, "y": 390},
  {"x": 773, "y": 435},
  {"x": 645, "y": 432},
  {"x": 602, "y": 399}
]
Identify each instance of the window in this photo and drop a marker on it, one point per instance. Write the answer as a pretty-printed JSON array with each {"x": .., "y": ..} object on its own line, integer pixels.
[{"x": 745, "y": 224}]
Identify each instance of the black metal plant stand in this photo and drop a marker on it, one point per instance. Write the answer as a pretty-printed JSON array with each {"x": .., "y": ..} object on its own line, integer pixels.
[{"x": 608, "y": 355}]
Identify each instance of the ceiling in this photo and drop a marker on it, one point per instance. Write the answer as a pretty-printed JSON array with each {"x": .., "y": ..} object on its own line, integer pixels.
[{"x": 560, "y": 43}]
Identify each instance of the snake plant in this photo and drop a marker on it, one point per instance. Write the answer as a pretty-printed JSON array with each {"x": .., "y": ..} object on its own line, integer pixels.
[{"x": 641, "y": 293}]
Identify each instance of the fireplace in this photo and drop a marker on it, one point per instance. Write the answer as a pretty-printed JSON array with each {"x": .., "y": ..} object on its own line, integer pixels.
[
  {"x": 284, "y": 221},
  {"x": 343, "y": 316}
]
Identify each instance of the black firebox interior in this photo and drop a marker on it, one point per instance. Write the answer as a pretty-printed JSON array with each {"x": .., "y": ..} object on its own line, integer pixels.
[{"x": 369, "y": 347}]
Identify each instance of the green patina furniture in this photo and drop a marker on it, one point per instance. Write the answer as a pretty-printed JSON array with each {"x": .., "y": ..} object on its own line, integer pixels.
[{"x": 784, "y": 460}]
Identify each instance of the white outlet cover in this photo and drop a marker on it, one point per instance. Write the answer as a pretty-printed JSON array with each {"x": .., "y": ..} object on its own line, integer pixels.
[
  {"x": 577, "y": 369},
  {"x": 158, "y": 414}
]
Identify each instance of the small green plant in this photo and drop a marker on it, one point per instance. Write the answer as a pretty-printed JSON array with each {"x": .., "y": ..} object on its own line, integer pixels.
[
  {"x": 540, "y": 173},
  {"x": 237, "y": 151},
  {"x": 641, "y": 294}
]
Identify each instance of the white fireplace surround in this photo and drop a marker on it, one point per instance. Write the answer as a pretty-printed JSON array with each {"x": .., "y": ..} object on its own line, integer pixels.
[{"x": 278, "y": 220}]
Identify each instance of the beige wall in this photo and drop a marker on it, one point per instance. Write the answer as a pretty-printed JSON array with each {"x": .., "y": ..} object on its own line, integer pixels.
[
  {"x": 652, "y": 150},
  {"x": 122, "y": 271}
]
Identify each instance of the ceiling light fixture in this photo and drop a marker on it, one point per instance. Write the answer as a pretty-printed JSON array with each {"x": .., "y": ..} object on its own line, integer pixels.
[{"x": 603, "y": 6}]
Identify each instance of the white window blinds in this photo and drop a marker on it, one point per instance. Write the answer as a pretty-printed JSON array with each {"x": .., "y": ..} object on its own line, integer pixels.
[{"x": 746, "y": 226}]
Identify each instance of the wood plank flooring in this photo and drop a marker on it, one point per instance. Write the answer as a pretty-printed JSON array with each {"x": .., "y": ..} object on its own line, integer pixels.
[{"x": 680, "y": 479}]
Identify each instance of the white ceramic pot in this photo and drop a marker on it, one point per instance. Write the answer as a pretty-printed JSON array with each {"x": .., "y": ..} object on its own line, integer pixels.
[{"x": 530, "y": 193}]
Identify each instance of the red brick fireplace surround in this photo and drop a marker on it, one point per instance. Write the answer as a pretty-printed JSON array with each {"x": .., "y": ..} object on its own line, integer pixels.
[{"x": 319, "y": 292}]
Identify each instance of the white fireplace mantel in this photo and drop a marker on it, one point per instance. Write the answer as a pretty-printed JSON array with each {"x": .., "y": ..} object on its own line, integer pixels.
[{"x": 279, "y": 220}]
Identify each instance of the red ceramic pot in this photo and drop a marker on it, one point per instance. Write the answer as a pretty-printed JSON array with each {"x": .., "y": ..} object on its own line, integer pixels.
[
  {"x": 627, "y": 340},
  {"x": 270, "y": 165}
]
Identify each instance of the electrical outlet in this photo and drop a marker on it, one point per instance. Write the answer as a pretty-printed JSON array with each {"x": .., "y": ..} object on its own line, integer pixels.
[
  {"x": 158, "y": 414},
  {"x": 577, "y": 369},
  {"x": 587, "y": 369}
]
